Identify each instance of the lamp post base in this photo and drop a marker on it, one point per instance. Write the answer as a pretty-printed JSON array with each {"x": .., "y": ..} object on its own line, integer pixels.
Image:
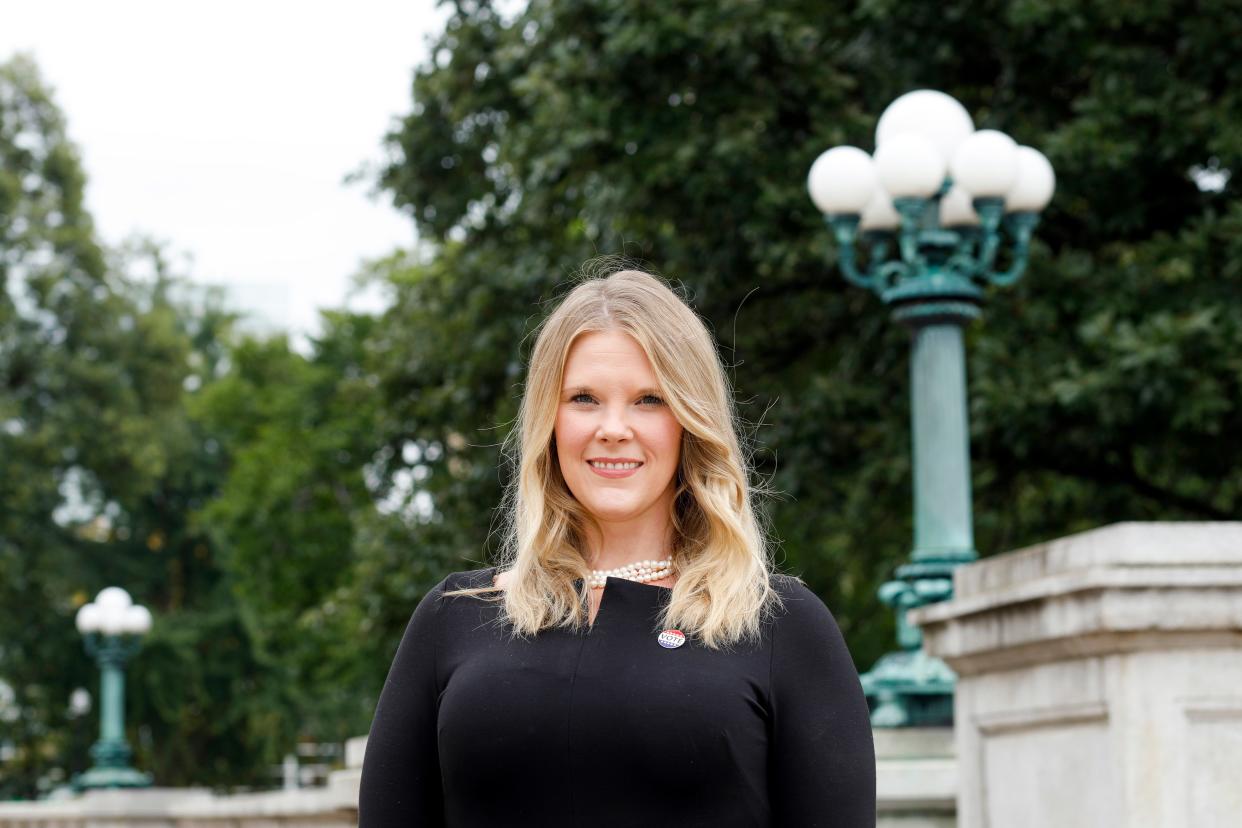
[
  {"x": 910, "y": 689},
  {"x": 111, "y": 778}
]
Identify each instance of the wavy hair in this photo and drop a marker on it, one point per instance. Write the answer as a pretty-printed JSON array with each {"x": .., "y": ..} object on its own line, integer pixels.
[{"x": 721, "y": 552}]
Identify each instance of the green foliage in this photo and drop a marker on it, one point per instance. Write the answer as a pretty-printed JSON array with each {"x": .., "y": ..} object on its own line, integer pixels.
[
  {"x": 1103, "y": 386},
  {"x": 101, "y": 468},
  {"x": 59, "y": 342},
  {"x": 298, "y": 434},
  {"x": 283, "y": 514}
]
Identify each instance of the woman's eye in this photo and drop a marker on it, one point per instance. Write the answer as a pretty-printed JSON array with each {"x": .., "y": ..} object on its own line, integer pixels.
[{"x": 649, "y": 399}]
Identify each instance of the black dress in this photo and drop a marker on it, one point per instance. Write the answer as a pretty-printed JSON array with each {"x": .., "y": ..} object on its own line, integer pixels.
[{"x": 608, "y": 727}]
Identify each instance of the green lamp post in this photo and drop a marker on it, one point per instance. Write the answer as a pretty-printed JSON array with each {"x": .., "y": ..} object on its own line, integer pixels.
[
  {"x": 112, "y": 627},
  {"x": 932, "y": 208}
]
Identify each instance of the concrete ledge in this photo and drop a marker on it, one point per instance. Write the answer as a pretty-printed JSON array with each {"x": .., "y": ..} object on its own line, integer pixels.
[
  {"x": 916, "y": 777},
  {"x": 333, "y": 806},
  {"x": 1103, "y": 591},
  {"x": 1099, "y": 679},
  {"x": 1131, "y": 543}
]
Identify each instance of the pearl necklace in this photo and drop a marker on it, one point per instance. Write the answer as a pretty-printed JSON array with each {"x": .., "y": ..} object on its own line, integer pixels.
[{"x": 638, "y": 571}]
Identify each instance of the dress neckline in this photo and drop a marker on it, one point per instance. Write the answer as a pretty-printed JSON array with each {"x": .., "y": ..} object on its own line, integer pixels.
[
  {"x": 617, "y": 595},
  {"x": 612, "y": 579},
  {"x": 493, "y": 571}
]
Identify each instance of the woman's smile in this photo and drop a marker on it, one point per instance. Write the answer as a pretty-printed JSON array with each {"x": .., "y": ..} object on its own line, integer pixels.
[{"x": 615, "y": 468}]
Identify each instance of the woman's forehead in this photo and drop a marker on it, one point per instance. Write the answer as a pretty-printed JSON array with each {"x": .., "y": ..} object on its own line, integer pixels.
[{"x": 600, "y": 350}]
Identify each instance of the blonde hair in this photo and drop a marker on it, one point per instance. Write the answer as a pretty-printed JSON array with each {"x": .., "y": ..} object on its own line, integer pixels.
[{"x": 720, "y": 551}]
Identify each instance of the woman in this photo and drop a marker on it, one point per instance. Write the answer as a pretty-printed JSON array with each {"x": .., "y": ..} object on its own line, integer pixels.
[{"x": 633, "y": 661}]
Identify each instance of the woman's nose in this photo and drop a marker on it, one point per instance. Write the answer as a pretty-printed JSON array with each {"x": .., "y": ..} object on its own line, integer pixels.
[{"x": 614, "y": 426}]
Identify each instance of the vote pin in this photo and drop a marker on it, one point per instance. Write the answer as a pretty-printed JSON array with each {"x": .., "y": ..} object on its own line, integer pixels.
[{"x": 672, "y": 639}]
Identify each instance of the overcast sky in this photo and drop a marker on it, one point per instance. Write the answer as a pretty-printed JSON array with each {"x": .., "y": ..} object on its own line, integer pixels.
[{"x": 226, "y": 128}]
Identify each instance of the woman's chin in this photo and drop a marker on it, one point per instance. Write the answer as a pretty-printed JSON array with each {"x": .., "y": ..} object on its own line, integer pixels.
[{"x": 614, "y": 512}]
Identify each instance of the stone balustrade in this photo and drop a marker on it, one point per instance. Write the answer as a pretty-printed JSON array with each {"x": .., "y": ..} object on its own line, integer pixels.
[
  {"x": 1100, "y": 683},
  {"x": 334, "y": 805},
  {"x": 917, "y": 782},
  {"x": 916, "y": 778},
  {"x": 1099, "y": 679}
]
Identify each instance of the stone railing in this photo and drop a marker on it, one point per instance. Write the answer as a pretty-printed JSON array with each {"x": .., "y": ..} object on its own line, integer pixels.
[
  {"x": 1099, "y": 683},
  {"x": 917, "y": 784},
  {"x": 1099, "y": 679},
  {"x": 916, "y": 778},
  {"x": 334, "y": 805}
]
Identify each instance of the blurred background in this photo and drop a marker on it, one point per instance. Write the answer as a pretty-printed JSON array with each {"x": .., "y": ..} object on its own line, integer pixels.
[{"x": 269, "y": 271}]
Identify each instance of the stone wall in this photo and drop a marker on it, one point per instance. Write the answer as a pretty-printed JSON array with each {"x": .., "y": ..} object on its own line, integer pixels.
[
  {"x": 916, "y": 782},
  {"x": 1100, "y": 683},
  {"x": 916, "y": 778},
  {"x": 334, "y": 805},
  {"x": 1100, "y": 679}
]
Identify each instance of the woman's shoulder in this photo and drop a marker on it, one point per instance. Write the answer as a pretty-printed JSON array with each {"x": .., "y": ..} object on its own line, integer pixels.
[
  {"x": 798, "y": 604},
  {"x": 446, "y": 592},
  {"x": 468, "y": 579},
  {"x": 790, "y": 586}
]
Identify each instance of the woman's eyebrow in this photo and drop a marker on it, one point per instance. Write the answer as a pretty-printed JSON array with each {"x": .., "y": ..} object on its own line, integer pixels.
[{"x": 584, "y": 389}]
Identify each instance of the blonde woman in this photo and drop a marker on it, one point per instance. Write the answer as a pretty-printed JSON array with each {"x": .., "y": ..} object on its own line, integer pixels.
[{"x": 632, "y": 660}]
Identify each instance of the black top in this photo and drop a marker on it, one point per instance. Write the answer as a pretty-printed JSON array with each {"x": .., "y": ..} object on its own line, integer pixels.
[{"x": 607, "y": 727}]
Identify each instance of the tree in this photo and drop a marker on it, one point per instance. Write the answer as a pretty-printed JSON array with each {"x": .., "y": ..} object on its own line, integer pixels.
[
  {"x": 298, "y": 433},
  {"x": 1102, "y": 387},
  {"x": 283, "y": 515},
  {"x": 73, "y": 410},
  {"x": 101, "y": 469}
]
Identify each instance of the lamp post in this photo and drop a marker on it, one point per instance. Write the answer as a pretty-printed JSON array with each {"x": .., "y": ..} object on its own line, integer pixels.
[
  {"x": 112, "y": 628},
  {"x": 931, "y": 207}
]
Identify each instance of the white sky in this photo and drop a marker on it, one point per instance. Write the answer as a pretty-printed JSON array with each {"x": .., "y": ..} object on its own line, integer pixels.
[{"x": 226, "y": 128}]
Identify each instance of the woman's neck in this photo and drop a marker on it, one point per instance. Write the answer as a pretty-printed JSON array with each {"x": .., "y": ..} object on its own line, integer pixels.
[{"x": 617, "y": 546}]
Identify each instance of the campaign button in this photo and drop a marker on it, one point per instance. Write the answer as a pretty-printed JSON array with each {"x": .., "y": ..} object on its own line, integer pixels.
[{"x": 672, "y": 639}]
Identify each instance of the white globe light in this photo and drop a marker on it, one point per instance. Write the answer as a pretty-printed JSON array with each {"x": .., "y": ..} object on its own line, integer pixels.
[
  {"x": 879, "y": 213},
  {"x": 137, "y": 620},
  {"x": 113, "y": 597},
  {"x": 841, "y": 180},
  {"x": 909, "y": 165},
  {"x": 933, "y": 115},
  {"x": 1035, "y": 183},
  {"x": 986, "y": 164},
  {"x": 956, "y": 209},
  {"x": 79, "y": 702},
  {"x": 87, "y": 620},
  {"x": 112, "y": 622}
]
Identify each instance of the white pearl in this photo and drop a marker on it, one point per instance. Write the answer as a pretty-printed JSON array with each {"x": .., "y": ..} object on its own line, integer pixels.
[{"x": 641, "y": 571}]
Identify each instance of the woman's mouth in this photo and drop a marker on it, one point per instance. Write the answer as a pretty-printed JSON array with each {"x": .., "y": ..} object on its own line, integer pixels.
[{"x": 614, "y": 470}]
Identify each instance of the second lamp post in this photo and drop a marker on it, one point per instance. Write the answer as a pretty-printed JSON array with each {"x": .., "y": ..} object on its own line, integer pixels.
[
  {"x": 931, "y": 207},
  {"x": 112, "y": 627}
]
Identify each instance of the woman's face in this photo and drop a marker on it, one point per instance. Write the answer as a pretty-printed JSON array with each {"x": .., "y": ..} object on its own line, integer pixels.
[{"x": 611, "y": 409}]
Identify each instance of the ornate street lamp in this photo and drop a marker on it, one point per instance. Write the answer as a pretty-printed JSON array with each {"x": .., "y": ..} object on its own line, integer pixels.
[
  {"x": 113, "y": 627},
  {"x": 931, "y": 207}
]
